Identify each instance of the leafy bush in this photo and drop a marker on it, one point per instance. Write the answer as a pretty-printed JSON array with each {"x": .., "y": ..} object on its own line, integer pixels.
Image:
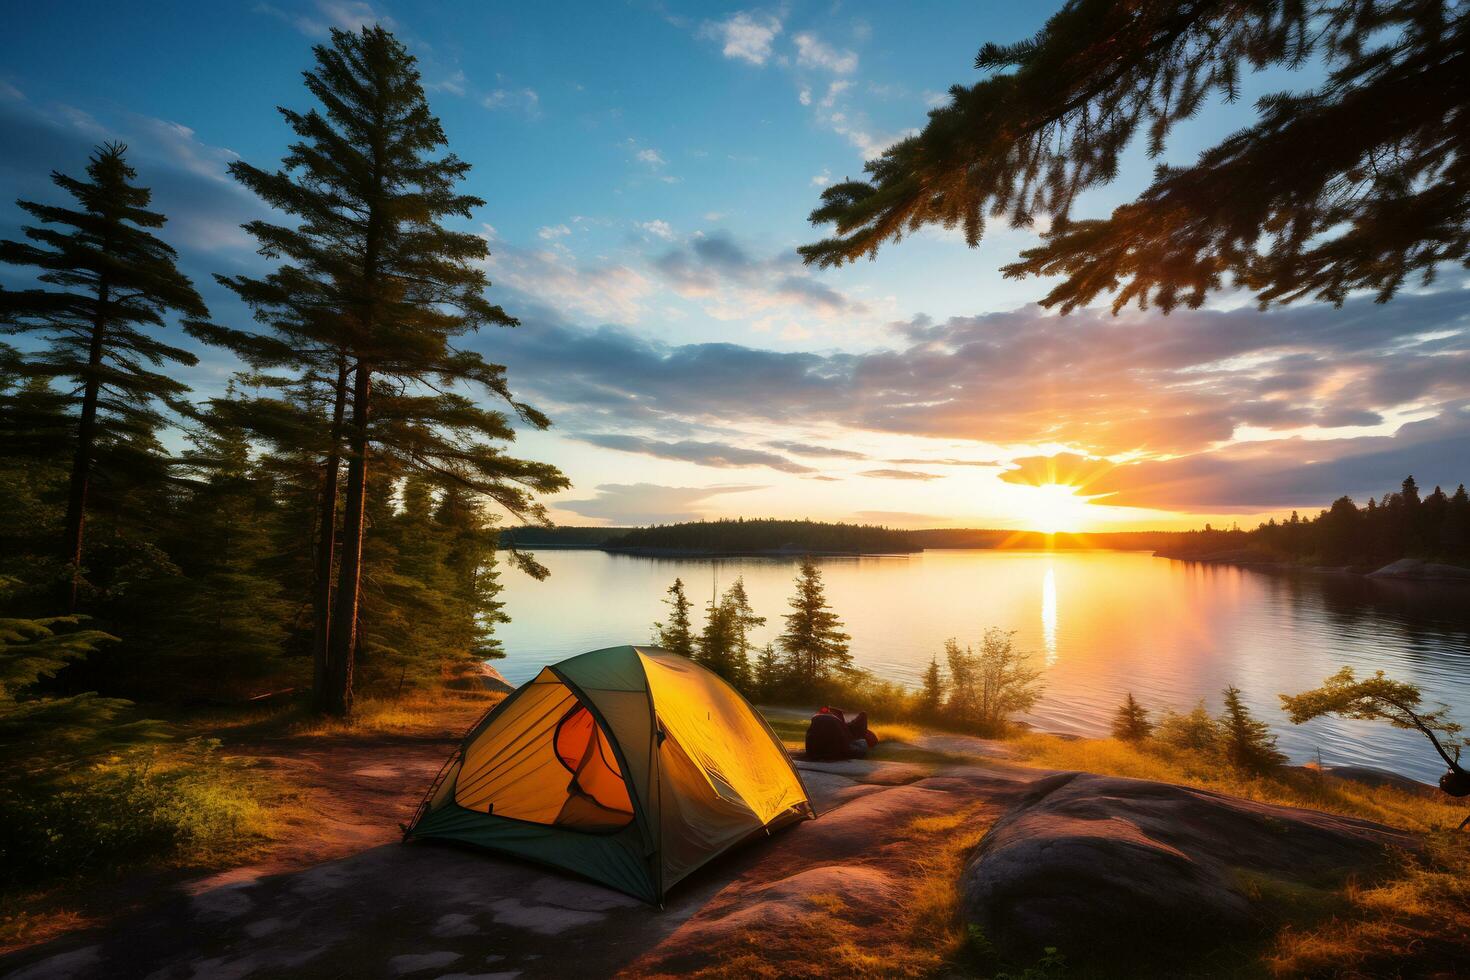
[{"x": 1192, "y": 732}]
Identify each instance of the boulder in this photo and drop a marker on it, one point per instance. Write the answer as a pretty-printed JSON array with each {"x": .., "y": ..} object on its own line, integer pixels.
[
  {"x": 1414, "y": 568},
  {"x": 478, "y": 677},
  {"x": 1093, "y": 863}
]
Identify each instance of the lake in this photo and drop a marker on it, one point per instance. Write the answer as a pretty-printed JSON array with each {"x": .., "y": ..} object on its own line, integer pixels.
[{"x": 1100, "y": 623}]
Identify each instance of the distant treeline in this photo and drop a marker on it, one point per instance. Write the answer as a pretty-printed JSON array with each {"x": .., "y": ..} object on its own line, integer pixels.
[
  {"x": 535, "y": 536},
  {"x": 762, "y": 535},
  {"x": 966, "y": 537},
  {"x": 750, "y": 535},
  {"x": 1398, "y": 525}
]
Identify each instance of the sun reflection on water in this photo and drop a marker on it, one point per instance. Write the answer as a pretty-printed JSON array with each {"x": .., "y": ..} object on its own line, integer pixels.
[{"x": 1049, "y": 614}]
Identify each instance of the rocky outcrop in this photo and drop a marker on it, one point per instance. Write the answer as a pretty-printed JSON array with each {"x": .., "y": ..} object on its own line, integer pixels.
[
  {"x": 1093, "y": 863},
  {"x": 478, "y": 677},
  {"x": 1417, "y": 570}
]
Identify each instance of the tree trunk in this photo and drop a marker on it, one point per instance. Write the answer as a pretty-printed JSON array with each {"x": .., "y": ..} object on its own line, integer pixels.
[
  {"x": 343, "y": 636},
  {"x": 321, "y": 597},
  {"x": 81, "y": 467}
]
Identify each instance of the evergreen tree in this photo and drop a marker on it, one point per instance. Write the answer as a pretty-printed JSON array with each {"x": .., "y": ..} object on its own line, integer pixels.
[
  {"x": 676, "y": 636},
  {"x": 1245, "y": 740},
  {"x": 115, "y": 285},
  {"x": 931, "y": 694},
  {"x": 393, "y": 288},
  {"x": 1353, "y": 185},
  {"x": 714, "y": 646},
  {"x": 813, "y": 643},
  {"x": 743, "y": 621},
  {"x": 1130, "y": 721},
  {"x": 222, "y": 618},
  {"x": 768, "y": 675}
]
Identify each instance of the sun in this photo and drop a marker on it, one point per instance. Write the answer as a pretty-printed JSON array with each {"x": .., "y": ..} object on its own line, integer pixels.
[{"x": 1054, "y": 508}]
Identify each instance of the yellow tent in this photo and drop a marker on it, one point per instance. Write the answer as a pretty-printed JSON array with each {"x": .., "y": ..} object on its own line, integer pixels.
[{"x": 632, "y": 766}]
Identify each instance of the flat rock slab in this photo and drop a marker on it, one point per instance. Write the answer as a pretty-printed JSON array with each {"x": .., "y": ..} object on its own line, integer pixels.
[
  {"x": 875, "y": 772},
  {"x": 1093, "y": 863}
]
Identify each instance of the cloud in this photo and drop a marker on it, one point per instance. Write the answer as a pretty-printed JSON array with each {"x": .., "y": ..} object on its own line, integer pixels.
[
  {"x": 648, "y": 503},
  {"x": 822, "y": 179},
  {"x": 317, "y": 19},
  {"x": 718, "y": 267},
  {"x": 813, "y": 52},
  {"x": 889, "y": 474},
  {"x": 834, "y": 91},
  {"x": 744, "y": 36},
  {"x": 454, "y": 84},
  {"x": 524, "y": 100},
  {"x": 650, "y": 156},
  {"x": 946, "y": 462},
  {"x": 1139, "y": 387},
  {"x": 553, "y": 232},
  {"x": 658, "y": 228},
  {"x": 1066, "y": 469},
  {"x": 204, "y": 206},
  {"x": 601, "y": 291},
  {"x": 1277, "y": 474},
  {"x": 689, "y": 451},
  {"x": 807, "y": 449}
]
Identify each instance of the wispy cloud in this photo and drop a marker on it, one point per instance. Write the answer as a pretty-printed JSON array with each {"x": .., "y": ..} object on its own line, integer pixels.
[
  {"x": 892, "y": 474},
  {"x": 692, "y": 451},
  {"x": 524, "y": 100},
  {"x": 813, "y": 52},
  {"x": 318, "y": 18},
  {"x": 648, "y": 503}
]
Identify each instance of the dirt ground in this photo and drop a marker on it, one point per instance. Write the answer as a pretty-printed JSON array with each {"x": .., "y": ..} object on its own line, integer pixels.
[{"x": 340, "y": 896}]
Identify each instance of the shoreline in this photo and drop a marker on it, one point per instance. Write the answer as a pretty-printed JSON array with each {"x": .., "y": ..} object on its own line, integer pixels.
[{"x": 1401, "y": 570}]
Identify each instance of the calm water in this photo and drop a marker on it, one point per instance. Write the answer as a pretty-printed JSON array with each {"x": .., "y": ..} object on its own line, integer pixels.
[{"x": 1101, "y": 623}]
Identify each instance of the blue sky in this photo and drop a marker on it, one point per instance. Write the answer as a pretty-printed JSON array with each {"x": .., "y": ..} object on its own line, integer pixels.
[{"x": 648, "y": 168}]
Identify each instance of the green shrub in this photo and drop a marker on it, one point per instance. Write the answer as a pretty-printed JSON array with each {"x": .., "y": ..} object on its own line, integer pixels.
[{"x": 182, "y": 804}]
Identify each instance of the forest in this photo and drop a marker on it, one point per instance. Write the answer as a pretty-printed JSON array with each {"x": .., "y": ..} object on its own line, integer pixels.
[
  {"x": 325, "y": 524},
  {"x": 1400, "y": 524},
  {"x": 766, "y": 535}
]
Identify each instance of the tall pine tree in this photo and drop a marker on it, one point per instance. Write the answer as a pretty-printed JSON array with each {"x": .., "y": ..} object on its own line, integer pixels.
[
  {"x": 393, "y": 289},
  {"x": 114, "y": 286}
]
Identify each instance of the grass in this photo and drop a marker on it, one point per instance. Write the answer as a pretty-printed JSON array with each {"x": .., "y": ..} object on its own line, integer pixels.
[
  {"x": 168, "y": 807},
  {"x": 415, "y": 713},
  {"x": 923, "y": 937},
  {"x": 1428, "y": 811}
]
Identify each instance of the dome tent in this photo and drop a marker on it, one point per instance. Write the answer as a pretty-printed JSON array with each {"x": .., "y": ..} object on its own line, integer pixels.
[{"x": 632, "y": 766}]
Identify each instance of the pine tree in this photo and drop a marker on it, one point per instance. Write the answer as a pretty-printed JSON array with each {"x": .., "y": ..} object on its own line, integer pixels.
[
  {"x": 931, "y": 694},
  {"x": 223, "y": 618},
  {"x": 813, "y": 643},
  {"x": 116, "y": 284},
  {"x": 768, "y": 675},
  {"x": 714, "y": 646},
  {"x": 743, "y": 621},
  {"x": 1245, "y": 740},
  {"x": 1130, "y": 721},
  {"x": 676, "y": 636},
  {"x": 1349, "y": 186},
  {"x": 393, "y": 288}
]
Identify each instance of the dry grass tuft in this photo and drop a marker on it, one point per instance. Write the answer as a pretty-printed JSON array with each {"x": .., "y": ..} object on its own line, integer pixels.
[
  {"x": 417, "y": 713},
  {"x": 1415, "y": 922},
  {"x": 1427, "y": 811}
]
